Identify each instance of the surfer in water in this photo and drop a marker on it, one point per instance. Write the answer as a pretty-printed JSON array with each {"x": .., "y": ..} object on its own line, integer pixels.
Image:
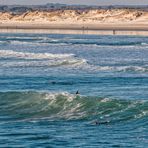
[
  {"x": 77, "y": 92},
  {"x": 96, "y": 122}
]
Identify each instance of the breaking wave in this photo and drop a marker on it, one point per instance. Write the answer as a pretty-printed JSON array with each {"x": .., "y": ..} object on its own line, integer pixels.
[
  {"x": 26, "y": 59},
  {"x": 123, "y": 68},
  {"x": 48, "y": 63},
  {"x": 65, "y": 106},
  {"x": 29, "y": 55}
]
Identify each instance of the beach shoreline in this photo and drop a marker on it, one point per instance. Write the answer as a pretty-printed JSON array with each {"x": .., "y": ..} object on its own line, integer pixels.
[{"x": 96, "y": 29}]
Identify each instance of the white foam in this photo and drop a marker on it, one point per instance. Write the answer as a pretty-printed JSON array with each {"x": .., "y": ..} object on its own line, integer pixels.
[
  {"x": 22, "y": 37},
  {"x": 29, "y": 55},
  {"x": 53, "y": 96},
  {"x": 69, "y": 60},
  {"x": 105, "y": 100},
  {"x": 20, "y": 42},
  {"x": 27, "y": 59},
  {"x": 144, "y": 44},
  {"x": 122, "y": 68},
  {"x": 48, "y": 63},
  {"x": 3, "y": 42}
]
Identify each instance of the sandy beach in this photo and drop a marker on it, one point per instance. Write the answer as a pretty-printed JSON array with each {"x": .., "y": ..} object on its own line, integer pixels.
[{"x": 116, "y": 21}]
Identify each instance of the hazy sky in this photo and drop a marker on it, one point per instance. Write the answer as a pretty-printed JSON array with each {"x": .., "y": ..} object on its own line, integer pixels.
[{"x": 88, "y": 2}]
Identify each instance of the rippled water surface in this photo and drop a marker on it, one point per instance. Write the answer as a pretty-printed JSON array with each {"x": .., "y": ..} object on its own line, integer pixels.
[{"x": 40, "y": 74}]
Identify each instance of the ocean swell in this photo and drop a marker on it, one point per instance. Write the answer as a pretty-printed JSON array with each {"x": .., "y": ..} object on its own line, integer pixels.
[{"x": 65, "y": 106}]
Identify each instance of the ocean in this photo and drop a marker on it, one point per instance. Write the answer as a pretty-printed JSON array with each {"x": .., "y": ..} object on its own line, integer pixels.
[{"x": 40, "y": 75}]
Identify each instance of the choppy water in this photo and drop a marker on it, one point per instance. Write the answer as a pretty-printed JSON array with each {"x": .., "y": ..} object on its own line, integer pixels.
[{"x": 39, "y": 75}]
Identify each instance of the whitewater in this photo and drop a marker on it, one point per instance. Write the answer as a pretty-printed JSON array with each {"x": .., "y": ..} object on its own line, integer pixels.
[{"x": 40, "y": 75}]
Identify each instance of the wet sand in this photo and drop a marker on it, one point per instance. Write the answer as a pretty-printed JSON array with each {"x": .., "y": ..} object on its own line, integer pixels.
[{"x": 104, "y": 29}]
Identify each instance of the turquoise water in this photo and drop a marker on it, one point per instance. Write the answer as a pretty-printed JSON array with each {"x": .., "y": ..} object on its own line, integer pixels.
[{"x": 40, "y": 74}]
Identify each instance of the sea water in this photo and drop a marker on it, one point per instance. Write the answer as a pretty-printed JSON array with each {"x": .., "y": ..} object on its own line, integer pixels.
[{"x": 40, "y": 74}]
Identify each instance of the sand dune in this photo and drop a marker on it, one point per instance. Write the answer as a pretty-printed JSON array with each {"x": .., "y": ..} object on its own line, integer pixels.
[
  {"x": 98, "y": 16},
  {"x": 96, "y": 21}
]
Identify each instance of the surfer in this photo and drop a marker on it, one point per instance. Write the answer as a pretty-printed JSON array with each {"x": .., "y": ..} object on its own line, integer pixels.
[
  {"x": 77, "y": 92},
  {"x": 96, "y": 122}
]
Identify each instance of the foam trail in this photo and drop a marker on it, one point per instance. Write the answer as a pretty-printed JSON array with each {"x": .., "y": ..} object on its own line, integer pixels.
[
  {"x": 26, "y": 59},
  {"x": 119, "y": 68},
  {"x": 29, "y": 55}
]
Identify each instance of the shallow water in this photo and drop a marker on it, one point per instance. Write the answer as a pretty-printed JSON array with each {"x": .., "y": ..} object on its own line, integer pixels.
[{"x": 39, "y": 75}]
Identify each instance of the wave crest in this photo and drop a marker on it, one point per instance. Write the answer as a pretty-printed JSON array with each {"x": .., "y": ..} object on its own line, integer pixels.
[
  {"x": 56, "y": 106},
  {"x": 123, "y": 68},
  {"x": 38, "y": 59},
  {"x": 29, "y": 55}
]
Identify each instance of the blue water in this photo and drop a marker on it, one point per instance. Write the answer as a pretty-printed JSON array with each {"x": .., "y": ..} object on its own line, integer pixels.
[{"x": 39, "y": 75}]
